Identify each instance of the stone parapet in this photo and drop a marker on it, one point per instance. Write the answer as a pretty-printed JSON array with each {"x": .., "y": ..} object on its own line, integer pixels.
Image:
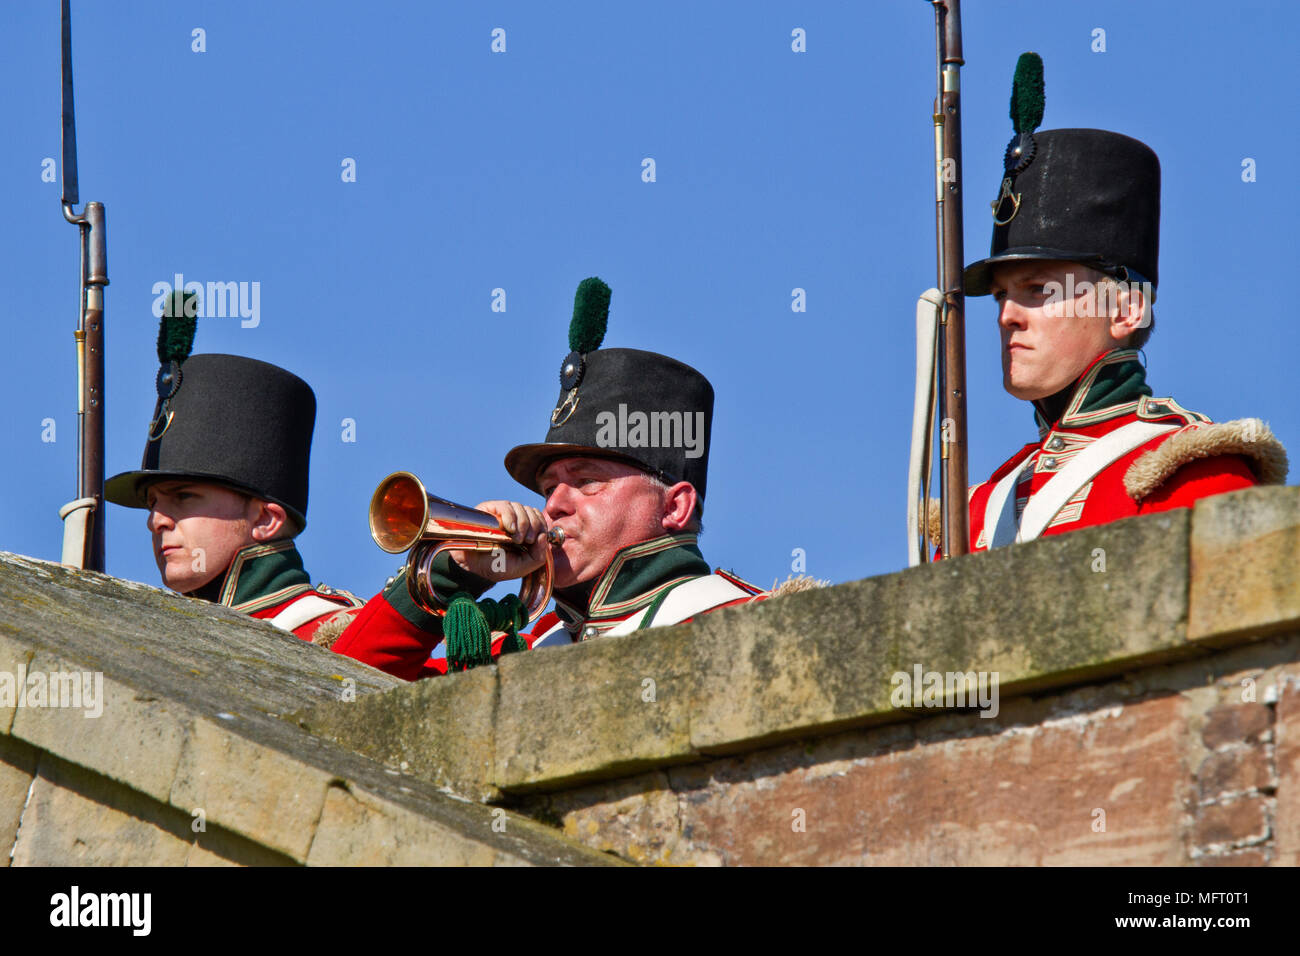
[
  {"x": 1147, "y": 711},
  {"x": 1115, "y": 648},
  {"x": 178, "y": 754}
]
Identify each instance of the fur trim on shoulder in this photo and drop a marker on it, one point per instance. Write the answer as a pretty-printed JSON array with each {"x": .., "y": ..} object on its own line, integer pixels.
[
  {"x": 934, "y": 521},
  {"x": 1248, "y": 437},
  {"x": 333, "y": 627},
  {"x": 795, "y": 583}
]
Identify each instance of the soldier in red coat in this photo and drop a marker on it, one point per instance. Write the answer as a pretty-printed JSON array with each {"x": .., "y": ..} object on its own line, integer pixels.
[
  {"x": 1073, "y": 270},
  {"x": 623, "y": 473},
  {"x": 224, "y": 479}
]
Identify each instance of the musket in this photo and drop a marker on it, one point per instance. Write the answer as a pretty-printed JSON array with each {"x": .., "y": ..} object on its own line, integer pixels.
[
  {"x": 941, "y": 326},
  {"x": 83, "y": 528}
]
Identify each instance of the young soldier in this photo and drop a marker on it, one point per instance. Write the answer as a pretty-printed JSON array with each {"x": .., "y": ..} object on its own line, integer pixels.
[
  {"x": 224, "y": 479},
  {"x": 623, "y": 471},
  {"x": 1073, "y": 269}
]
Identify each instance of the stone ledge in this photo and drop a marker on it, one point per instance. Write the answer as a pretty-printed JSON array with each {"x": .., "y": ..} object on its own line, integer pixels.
[
  {"x": 191, "y": 705},
  {"x": 1059, "y": 611},
  {"x": 77, "y": 818},
  {"x": 408, "y": 729},
  {"x": 206, "y": 705},
  {"x": 264, "y": 782},
  {"x": 1245, "y": 559},
  {"x": 191, "y": 652},
  {"x": 956, "y": 789},
  {"x": 17, "y": 770}
]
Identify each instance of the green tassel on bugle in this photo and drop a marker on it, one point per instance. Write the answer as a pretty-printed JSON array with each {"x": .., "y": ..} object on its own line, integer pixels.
[{"x": 468, "y": 625}]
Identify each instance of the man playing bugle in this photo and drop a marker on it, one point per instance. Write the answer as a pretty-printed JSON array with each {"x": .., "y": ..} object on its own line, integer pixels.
[{"x": 623, "y": 472}]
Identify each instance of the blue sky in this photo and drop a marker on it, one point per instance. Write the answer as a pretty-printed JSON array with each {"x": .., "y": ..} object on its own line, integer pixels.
[{"x": 521, "y": 170}]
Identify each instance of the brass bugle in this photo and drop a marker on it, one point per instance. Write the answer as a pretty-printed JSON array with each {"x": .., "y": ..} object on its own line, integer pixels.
[{"x": 405, "y": 517}]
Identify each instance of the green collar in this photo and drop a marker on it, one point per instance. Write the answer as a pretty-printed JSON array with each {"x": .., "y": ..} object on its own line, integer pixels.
[
  {"x": 262, "y": 576},
  {"x": 638, "y": 575},
  {"x": 1111, "y": 386}
]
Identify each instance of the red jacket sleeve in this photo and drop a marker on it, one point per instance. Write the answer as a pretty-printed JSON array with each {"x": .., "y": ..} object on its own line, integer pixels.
[
  {"x": 382, "y": 638},
  {"x": 1199, "y": 479}
]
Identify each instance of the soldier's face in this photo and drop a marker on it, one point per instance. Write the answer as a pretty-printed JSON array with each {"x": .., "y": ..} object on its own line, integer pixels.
[
  {"x": 602, "y": 506},
  {"x": 1050, "y": 323},
  {"x": 197, "y": 529}
]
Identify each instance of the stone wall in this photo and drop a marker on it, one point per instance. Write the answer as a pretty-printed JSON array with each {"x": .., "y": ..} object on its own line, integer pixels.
[
  {"x": 1147, "y": 712},
  {"x": 1164, "y": 766},
  {"x": 189, "y": 761}
]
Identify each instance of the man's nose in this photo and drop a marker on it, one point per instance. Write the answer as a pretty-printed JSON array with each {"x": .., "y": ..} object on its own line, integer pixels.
[
  {"x": 1010, "y": 314},
  {"x": 157, "y": 521},
  {"x": 559, "y": 503}
]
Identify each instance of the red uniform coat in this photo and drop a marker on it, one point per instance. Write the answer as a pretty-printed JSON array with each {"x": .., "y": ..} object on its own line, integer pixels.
[
  {"x": 267, "y": 581},
  {"x": 1194, "y": 460},
  {"x": 391, "y": 634}
]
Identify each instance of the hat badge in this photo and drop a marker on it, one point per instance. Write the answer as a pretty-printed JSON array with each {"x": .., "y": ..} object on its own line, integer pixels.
[
  {"x": 175, "y": 339},
  {"x": 586, "y": 332},
  {"x": 1027, "y": 100}
]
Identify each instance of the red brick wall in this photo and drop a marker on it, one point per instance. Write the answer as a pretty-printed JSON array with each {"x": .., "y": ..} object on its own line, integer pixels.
[{"x": 1171, "y": 765}]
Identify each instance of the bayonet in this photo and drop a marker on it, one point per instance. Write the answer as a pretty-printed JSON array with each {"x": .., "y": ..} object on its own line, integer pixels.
[
  {"x": 70, "y": 197},
  {"x": 83, "y": 517}
]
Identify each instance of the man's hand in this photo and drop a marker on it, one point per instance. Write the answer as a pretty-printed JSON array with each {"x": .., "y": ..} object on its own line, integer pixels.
[{"x": 527, "y": 529}]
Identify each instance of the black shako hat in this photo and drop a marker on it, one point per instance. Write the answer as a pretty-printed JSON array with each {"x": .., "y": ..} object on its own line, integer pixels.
[
  {"x": 231, "y": 420},
  {"x": 642, "y": 408},
  {"x": 1080, "y": 195}
]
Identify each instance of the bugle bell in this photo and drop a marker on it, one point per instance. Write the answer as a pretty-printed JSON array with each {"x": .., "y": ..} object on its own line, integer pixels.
[{"x": 405, "y": 517}]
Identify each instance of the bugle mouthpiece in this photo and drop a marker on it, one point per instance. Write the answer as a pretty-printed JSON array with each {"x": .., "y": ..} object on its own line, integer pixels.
[{"x": 555, "y": 536}]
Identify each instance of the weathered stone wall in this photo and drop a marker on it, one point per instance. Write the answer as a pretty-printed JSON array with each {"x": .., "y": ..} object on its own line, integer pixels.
[
  {"x": 189, "y": 762},
  {"x": 1148, "y": 712},
  {"x": 1163, "y": 766}
]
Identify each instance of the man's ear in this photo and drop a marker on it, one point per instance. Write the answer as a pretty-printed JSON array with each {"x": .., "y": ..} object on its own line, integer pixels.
[
  {"x": 268, "y": 520},
  {"x": 679, "y": 506},
  {"x": 1126, "y": 303}
]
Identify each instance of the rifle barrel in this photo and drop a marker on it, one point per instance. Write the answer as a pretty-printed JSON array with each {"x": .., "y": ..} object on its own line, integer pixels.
[
  {"x": 89, "y": 334},
  {"x": 92, "y": 423},
  {"x": 952, "y": 330}
]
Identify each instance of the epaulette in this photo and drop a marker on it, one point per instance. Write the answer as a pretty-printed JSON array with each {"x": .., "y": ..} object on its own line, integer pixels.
[
  {"x": 740, "y": 582},
  {"x": 324, "y": 590},
  {"x": 1248, "y": 437},
  {"x": 1165, "y": 409}
]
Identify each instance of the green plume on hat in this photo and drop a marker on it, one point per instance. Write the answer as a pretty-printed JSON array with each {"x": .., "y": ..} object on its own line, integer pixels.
[
  {"x": 176, "y": 330},
  {"x": 590, "y": 315},
  {"x": 1027, "y": 97}
]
